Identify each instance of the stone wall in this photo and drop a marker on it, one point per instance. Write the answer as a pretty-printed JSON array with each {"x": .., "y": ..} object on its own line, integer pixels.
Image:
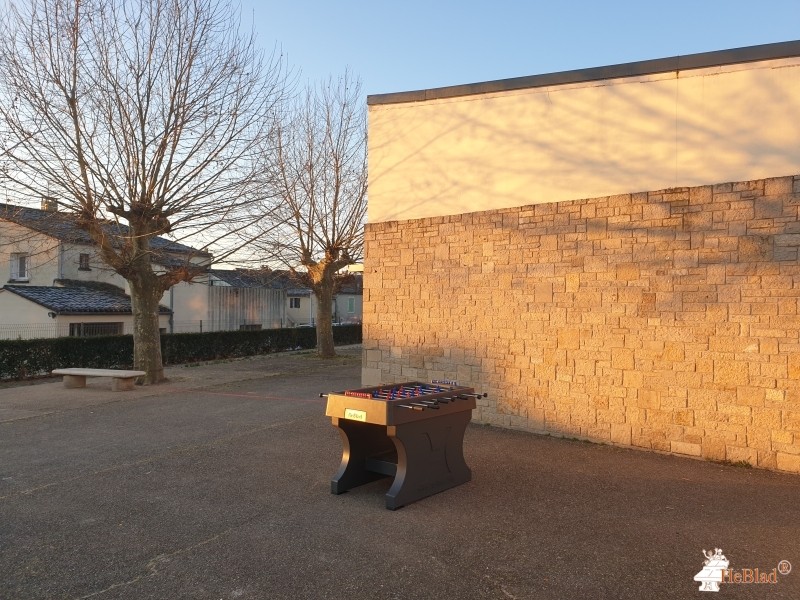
[{"x": 665, "y": 320}]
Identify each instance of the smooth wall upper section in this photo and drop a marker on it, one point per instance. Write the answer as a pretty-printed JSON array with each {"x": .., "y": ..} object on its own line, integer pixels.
[{"x": 686, "y": 121}]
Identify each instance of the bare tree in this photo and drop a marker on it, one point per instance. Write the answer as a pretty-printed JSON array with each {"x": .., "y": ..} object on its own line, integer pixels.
[
  {"x": 315, "y": 191},
  {"x": 145, "y": 118}
]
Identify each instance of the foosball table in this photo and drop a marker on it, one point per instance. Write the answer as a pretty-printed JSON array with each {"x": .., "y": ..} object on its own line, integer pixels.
[{"x": 413, "y": 432}]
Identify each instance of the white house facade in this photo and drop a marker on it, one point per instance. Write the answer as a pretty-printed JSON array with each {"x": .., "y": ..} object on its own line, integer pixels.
[{"x": 55, "y": 283}]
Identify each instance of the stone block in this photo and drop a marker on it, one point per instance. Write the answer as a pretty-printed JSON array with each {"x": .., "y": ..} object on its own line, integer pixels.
[
  {"x": 543, "y": 292},
  {"x": 673, "y": 352},
  {"x": 791, "y": 420},
  {"x": 373, "y": 355},
  {"x": 697, "y": 221},
  {"x": 769, "y": 208},
  {"x": 755, "y": 248},
  {"x": 569, "y": 339},
  {"x": 596, "y": 229},
  {"x": 701, "y": 195},
  {"x": 739, "y": 454},
  {"x": 660, "y": 444},
  {"x": 683, "y": 417},
  {"x": 370, "y": 377},
  {"x": 572, "y": 282},
  {"x": 713, "y": 448},
  {"x": 783, "y": 437},
  {"x": 750, "y": 396},
  {"x": 778, "y": 185},
  {"x": 656, "y": 211},
  {"x": 794, "y": 365},
  {"x": 730, "y": 373},
  {"x": 788, "y": 462},
  {"x": 622, "y": 358},
  {"x": 775, "y": 398},
  {"x": 595, "y": 264},
  {"x": 684, "y": 259},
  {"x": 633, "y": 380},
  {"x": 686, "y": 448},
  {"x": 627, "y": 271},
  {"x": 766, "y": 418}
]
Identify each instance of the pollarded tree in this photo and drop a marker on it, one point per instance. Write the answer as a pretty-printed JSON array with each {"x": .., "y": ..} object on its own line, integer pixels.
[
  {"x": 315, "y": 191},
  {"x": 145, "y": 118}
]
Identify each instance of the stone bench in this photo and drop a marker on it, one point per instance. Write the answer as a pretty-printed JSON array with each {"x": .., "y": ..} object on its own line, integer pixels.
[{"x": 121, "y": 380}]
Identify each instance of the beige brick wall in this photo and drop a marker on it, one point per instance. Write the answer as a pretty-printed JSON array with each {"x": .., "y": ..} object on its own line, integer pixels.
[{"x": 665, "y": 320}]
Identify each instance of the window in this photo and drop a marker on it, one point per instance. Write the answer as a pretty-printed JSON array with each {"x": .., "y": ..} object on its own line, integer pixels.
[
  {"x": 19, "y": 266},
  {"x": 90, "y": 329},
  {"x": 351, "y": 305},
  {"x": 83, "y": 262},
  {"x": 294, "y": 302},
  {"x": 250, "y": 327}
]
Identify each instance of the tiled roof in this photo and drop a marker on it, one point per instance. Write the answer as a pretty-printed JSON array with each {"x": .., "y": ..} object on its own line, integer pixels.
[
  {"x": 352, "y": 283},
  {"x": 241, "y": 278},
  {"x": 63, "y": 226},
  {"x": 298, "y": 292},
  {"x": 288, "y": 280},
  {"x": 77, "y": 300},
  {"x": 295, "y": 284}
]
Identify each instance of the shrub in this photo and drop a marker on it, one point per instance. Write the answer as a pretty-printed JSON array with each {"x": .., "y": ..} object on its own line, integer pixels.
[{"x": 21, "y": 359}]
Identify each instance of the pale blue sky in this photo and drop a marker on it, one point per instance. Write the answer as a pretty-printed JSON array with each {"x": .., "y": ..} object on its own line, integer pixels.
[{"x": 412, "y": 44}]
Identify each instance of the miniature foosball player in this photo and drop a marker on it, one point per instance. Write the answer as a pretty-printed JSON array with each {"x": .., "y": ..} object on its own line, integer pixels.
[{"x": 413, "y": 432}]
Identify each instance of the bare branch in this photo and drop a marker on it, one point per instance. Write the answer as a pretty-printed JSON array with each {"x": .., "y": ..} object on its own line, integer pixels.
[
  {"x": 314, "y": 184},
  {"x": 145, "y": 113}
]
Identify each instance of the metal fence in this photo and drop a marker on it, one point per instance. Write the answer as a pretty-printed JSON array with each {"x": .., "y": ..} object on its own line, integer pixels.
[
  {"x": 229, "y": 309},
  {"x": 29, "y": 331}
]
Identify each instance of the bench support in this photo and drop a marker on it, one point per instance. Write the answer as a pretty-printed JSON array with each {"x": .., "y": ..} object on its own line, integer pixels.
[
  {"x": 74, "y": 381},
  {"x": 123, "y": 384}
]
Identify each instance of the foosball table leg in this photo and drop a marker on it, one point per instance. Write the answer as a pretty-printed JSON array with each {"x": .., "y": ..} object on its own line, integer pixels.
[
  {"x": 435, "y": 448},
  {"x": 360, "y": 442}
]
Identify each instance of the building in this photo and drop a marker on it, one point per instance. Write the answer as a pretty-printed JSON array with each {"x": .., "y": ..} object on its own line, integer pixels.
[
  {"x": 68, "y": 308},
  {"x": 59, "y": 266},
  {"x": 286, "y": 297},
  {"x": 58, "y": 284},
  {"x": 611, "y": 253},
  {"x": 245, "y": 299}
]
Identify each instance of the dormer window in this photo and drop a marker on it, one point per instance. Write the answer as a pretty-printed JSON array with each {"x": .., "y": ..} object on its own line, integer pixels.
[
  {"x": 83, "y": 262},
  {"x": 19, "y": 266}
]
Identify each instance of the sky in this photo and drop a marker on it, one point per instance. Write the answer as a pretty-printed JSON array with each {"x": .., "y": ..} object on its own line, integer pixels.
[{"x": 407, "y": 45}]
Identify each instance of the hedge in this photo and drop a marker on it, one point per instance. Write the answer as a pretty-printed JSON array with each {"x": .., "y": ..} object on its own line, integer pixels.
[{"x": 21, "y": 359}]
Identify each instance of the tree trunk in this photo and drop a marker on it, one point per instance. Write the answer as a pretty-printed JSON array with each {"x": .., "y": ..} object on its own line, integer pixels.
[
  {"x": 324, "y": 293},
  {"x": 145, "y": 297}
]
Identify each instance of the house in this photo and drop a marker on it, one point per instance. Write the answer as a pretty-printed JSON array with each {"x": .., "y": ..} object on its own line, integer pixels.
[
  {"x": 244, "y": 299},
  {"x": 57, "y": 281},
  {"x": 611, "y": 253},
  {"x": 255, "y": 298},
  {"x": 297, "y": 306},
  {"x": 349, "y": 300},
  {"x": 68, "y": 308},
  {"x": 301, "y": 309},
  {"x": 47, "y": 253}
]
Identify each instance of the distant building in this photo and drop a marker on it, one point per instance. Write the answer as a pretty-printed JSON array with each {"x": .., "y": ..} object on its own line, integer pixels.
[
  {"x": 295, "y": 305},
  {"x": 57, "y": 281},
  {"x": 58, "y": 284}
]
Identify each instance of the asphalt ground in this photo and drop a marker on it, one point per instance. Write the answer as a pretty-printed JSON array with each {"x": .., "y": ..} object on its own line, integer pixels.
[{"x": 217, "y": 485}]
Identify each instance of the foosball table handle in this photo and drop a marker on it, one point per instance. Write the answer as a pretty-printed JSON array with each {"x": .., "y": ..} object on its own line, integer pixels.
[{"x": 411, "y": 407}]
